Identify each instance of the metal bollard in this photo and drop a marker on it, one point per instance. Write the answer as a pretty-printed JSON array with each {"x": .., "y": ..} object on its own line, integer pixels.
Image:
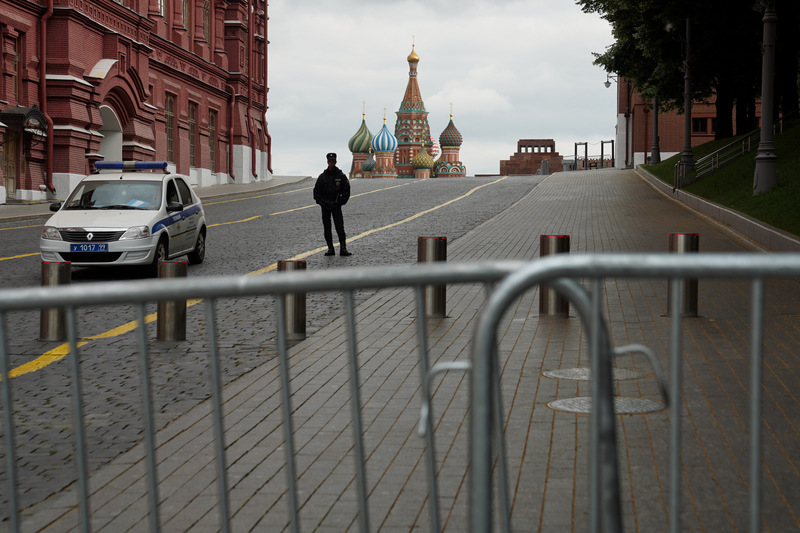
[
  {"x": 682, "y": 243},
  {"x": 171, "y": 321},
  {"x": 294, "y": 304},
  {"x": 429, "y": 250},
  {"x": 52, "y": 321},
  {"x": 550, "y": 302}
]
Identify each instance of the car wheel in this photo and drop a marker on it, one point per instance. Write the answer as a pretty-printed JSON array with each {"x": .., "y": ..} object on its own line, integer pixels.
[
  {"x": 197, "y": 255},
  {"x": 160, "y": 255}
]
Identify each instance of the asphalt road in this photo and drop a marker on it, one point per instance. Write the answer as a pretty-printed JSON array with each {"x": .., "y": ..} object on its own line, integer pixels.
[{"x": 247, "y": 234}]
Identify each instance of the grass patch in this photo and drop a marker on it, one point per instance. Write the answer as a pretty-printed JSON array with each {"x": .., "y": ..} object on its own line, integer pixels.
[{"x": 732, "y": 185}]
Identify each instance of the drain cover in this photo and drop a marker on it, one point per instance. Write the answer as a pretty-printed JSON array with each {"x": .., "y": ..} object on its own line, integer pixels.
[
  {"x": 585, "y": 374},
  {"x": 622, "y": 405}
]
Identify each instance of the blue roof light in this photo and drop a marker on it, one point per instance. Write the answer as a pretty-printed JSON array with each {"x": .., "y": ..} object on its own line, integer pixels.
[{"x": 131, "y": 165}]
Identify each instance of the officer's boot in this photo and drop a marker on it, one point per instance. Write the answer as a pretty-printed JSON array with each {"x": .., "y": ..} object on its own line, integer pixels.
[{"x": 330, "y": 251}]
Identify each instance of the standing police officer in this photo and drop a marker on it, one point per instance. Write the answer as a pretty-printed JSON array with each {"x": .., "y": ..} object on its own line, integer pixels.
[{"x": 331, "y": 192}]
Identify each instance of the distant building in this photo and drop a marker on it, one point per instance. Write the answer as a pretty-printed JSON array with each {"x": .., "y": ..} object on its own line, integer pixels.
[
  {"x": 182, "y": 81},
  {"x": 634, "y": 138},
  {"x": 530, "y": 155},
  {"x": 411, "y": 128},
  {"x": 395, "y": 156}
]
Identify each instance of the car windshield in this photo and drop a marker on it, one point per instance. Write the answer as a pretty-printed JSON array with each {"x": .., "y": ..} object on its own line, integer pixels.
[{"x": 115, "y": 194}]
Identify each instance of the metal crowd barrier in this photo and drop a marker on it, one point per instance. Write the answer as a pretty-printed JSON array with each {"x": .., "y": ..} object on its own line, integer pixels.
[
  {"x": 561, "y": 272},
  {"x": 506, "y": 282}
]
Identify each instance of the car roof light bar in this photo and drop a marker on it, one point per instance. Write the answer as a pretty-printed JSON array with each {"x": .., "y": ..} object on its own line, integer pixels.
[{"x": 131, "y": 165}]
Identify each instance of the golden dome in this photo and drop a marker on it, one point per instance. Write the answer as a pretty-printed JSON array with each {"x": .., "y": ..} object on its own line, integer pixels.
[{"x": 413, "y": 57}]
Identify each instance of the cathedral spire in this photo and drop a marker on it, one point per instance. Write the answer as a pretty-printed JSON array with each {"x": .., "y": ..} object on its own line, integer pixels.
[
  {"x": 412, "y": 100},
  {"x": 411, "y": 129}
]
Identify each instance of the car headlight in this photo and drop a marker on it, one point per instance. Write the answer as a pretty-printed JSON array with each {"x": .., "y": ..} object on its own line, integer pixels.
[
  {"x": 136, "y": 232},
  {"x": 51, "y": 233}
]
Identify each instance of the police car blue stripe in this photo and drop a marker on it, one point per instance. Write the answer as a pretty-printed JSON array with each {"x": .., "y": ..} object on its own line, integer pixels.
[{"x": 174, "y": 218}]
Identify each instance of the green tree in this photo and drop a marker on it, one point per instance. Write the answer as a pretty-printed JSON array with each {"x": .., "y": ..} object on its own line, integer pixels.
[{"x": 725, "y": 52}]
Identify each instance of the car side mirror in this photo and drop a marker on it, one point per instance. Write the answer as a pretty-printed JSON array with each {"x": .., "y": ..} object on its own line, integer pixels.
[
  {"x": 55, "y": 206},
  {"x": 172, "y": 207}
]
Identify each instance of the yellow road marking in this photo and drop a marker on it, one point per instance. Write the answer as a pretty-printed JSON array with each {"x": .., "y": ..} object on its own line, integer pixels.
[
  {"x": 258, "y": 196},
  {"x": 60, "y": 352},
  {"x": 17, "y": 256},
  {"x": 22, "y": 227},
  {"x": 234, "y": 221},
  {"x": 42, "y": 361},
  {"x": 354, "y": 196},
  {"x": 309, "y": 253}
]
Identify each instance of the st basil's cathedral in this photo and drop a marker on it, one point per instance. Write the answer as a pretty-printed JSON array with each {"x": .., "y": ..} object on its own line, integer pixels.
[{"x": 409, "y": 152}]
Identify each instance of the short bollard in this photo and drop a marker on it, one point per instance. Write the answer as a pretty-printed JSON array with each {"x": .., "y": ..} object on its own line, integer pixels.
[
  {"x": 171, "y": 322},
  {"x": 51, "y": 323},
  {"x": 683, "y": 243},
  {"x": 429, "y": 250},
  {"x": 294, "y": 304},
  {"x": 550, "y": 302}
]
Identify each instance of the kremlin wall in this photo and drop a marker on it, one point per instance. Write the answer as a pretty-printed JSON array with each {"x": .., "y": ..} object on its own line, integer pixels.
[{"x": 409, "y": 152}]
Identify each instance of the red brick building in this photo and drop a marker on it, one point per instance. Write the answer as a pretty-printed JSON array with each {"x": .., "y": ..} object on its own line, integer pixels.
[
  {"x": 634, "y": 139},
  {"x": 178, "y": 80}
]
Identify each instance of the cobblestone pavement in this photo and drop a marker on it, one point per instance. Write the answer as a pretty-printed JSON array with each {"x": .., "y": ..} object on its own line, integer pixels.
[{"x": 288, "y": 224}]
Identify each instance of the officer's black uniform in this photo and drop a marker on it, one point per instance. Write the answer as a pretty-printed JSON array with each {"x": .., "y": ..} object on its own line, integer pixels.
[{"x": 331, "y": 192}]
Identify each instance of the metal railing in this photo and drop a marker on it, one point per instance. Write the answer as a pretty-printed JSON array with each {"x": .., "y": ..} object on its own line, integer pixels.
[
  {"x": 506, "y": 281},
  {"x": 679, "y": 174},
  {"x": 588, "y": 163},
  {"x": 719, "y": 158},
  {"x": 726, "y": 154}
]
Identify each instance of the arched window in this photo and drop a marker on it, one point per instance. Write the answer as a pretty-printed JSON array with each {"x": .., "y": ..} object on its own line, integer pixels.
[
  {"x": 212, "y": 139},
  {"x": 187, "y": 15},
  {"x": 16, "y": 69},
  {"x": 192, "y": 134},
  {"x": 206, "y": 21},
  {"x": 169, "y": 126},
  {"x": 166, "y": 12}
]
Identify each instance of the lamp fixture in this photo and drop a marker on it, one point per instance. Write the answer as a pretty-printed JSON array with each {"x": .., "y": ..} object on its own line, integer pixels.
[{"x": 610, "y": 77}]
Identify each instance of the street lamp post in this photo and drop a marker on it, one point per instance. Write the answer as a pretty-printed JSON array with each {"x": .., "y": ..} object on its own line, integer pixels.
[
  {"x": 607, "y": 83},
  {"x": 687, "y": 160},
  {"x": 766, "y": 173},
  {"x": 655, "y": 151}
]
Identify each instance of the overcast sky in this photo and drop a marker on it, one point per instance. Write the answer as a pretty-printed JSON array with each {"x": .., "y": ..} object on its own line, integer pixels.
[{"x": 511, "y": 69}]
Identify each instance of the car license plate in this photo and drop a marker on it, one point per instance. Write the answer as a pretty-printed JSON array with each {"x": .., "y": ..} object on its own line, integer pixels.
[{"x": 89, "y": 247}]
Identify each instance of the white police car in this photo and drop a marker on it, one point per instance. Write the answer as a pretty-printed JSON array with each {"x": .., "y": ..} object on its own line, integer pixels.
[{"x": 126, "y": 214}]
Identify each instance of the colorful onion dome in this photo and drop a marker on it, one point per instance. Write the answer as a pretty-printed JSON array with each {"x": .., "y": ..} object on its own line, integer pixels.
[
  {"x": 362, "y": 140},
  {"x": 422, "y": 160},
  {"x": 435, "y": 149},
  {"x": 384, "y": 141},
  {"x": 451, "y": 136},
  {"x": 413, "y": 57},
  {"x": 369, "y": 163}
]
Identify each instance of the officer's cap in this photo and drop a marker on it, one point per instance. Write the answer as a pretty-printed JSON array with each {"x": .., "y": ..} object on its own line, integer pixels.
[{"x": 331, "y": 156}]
